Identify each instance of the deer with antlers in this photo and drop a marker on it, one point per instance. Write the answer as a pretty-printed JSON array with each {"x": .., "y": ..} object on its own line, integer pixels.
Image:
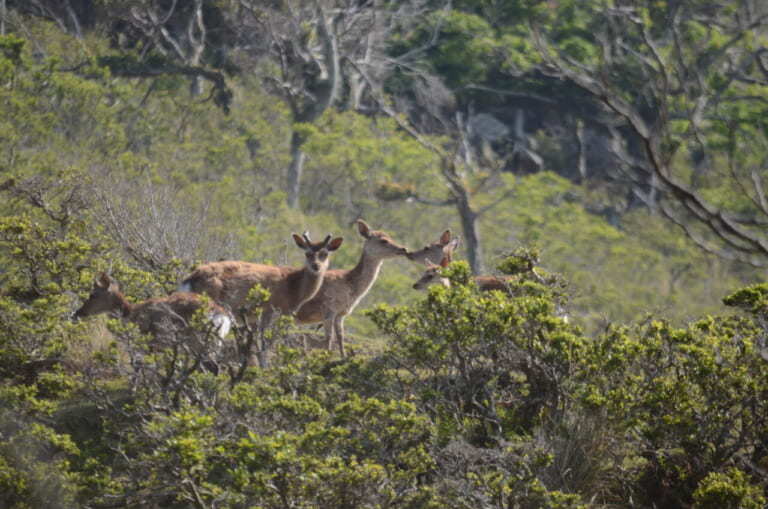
[
  {"x": 342, "y": 290},
  {"x": 153, "y": 316},
  {"x": 229, "y": 282}
]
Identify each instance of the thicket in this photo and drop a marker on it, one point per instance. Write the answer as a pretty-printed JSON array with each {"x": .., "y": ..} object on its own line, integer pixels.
[
  {"x": 455, "y": 398},
  {"x": 478, "y": 399}
]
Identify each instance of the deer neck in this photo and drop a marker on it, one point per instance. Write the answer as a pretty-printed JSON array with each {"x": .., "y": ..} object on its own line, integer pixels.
[
  {"x": 309, "y": 284},
  {"x": 363, "y": 275},
  {"x": 123, "y": 308}
]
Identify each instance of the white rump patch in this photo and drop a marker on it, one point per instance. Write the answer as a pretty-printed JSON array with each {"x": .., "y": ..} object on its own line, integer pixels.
[{"x": 223, "y": 324}]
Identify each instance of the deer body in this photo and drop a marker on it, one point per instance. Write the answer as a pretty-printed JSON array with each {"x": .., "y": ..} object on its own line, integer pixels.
[
  {"x": 432, "y": 275},
  {"x": 153, "y": 315},
  {"x": 229, "y": 282},
  {"x": 485, "y": 283},
  {"x": 488, "y": 283},
  {"x": 342, "y": 290}
]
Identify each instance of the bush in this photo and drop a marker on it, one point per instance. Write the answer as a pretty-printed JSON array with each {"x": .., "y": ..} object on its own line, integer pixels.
[{"x": 728, "y": 490}]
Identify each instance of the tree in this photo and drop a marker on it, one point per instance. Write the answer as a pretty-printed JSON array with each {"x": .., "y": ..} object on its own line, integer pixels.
[
  {"x": 684, "y": 86},
  {"x": 311, "y": 44},
  {"x": 460, "y": 171}
]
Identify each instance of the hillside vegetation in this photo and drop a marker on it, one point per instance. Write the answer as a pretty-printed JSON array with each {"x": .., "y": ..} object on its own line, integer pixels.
[{"x": 608, "y": 156}]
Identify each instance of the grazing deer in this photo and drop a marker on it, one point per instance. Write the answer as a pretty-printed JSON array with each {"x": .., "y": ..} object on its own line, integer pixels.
[
  {"x": 152, "y": 315},
  {"x": 342, "y": 290},
  {"x": 444, "y": 247},
  {"x": 433, "y": 275}
]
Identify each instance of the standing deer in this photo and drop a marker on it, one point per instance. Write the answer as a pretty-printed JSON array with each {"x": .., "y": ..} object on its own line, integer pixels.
[
  {"x": 444, "y": 247},
  {"x": 342, "y": 290},
  {"x": 229, "y": 282},
  {"x": 152, "y": 315}
]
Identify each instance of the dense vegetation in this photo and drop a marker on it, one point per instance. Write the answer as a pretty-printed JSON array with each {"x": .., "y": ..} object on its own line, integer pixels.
[{"x": 608, "y": 155}]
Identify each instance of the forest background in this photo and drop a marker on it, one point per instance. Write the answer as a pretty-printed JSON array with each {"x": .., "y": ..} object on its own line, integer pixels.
[{"x": 621, "y": 145}]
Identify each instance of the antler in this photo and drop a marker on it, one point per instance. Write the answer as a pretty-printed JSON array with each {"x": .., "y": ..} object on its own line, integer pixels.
[
  {"x": 327, "y": 239},
  {"x": 306, "y": 236}
]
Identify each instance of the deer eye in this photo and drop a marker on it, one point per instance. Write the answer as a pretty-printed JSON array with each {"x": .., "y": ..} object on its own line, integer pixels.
[
  {"x": 309, "y": 255},
  {"x": 323, "y": 255}
]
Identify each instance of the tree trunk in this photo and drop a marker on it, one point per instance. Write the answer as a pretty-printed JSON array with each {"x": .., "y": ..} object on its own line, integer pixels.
[
  {"x": 196, "y": 86},
  {"x": 471, "y": 235},
  {"x": 293, "y": 177},
  {"x": 326, "y": 91},
  {"x": 582, "y": 156}
]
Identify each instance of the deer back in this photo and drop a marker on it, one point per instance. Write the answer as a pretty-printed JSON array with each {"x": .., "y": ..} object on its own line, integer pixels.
[{"x": 229, "y": 283}]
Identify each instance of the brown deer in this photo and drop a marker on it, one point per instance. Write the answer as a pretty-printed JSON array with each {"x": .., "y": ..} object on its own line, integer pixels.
[
  {"x": 229, "y": 282},
  {"x": 342, "y": 290},
  {"x": 432, "y": 275},
  {"x": 444, "y": 247},
  {"x": 153, "y": 315}
]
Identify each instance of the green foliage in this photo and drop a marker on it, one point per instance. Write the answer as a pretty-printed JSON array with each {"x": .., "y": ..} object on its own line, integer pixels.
[
  {"x": 481, "y": 353},
  {"x": 467, "y": 399},
  {"x": 644, "y": 265},
  {"x": 730, "y": 489},
  {"x": 677, "y": 391},
  {"x": 753, "y": 299},
  {"x": 34, "y": 466}
]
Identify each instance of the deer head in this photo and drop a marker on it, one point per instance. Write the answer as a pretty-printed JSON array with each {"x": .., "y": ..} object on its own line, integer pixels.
[
  {"x": 444, "y": 247},
  {"x": 317, "y": 253},
  {"x": 378, "y": 244},
  {"x": 105, "y": 296},
  {"x": 432, "y": 275}
]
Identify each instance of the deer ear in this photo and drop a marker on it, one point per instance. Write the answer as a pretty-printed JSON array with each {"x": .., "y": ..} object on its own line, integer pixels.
[
  {"x": 445, "y": 238},
  {"x": 104, "y": 280},
  {"x": 335, "y": 244},
  {"x": 452, "y": 245},
  {"x": 444, "y": 262},
  {"x": 363, "y": 228},
  {"x": 299, "y": 241}
]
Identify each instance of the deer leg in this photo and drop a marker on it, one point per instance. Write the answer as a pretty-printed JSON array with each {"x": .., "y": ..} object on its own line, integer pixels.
[
  {"x": 338, "y": 326},
  {"x": 264, "y": 344},
  {"x": 328, "y": 324}
]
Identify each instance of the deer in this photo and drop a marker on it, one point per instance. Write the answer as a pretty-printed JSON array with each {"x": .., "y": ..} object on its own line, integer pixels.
[
  {"x": 343, "y": 289},
  {"x": 445, "y": 246},
  {"x": 152, "y": 315},
  {"x": 229, "y": 282},
  {"x": 432, "y": 275}
]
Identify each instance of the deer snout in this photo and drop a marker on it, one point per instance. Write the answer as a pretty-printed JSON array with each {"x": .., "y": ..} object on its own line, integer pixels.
[
  {"x": 315, "y": 267},
  {"x": 416, "y": 286}
]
